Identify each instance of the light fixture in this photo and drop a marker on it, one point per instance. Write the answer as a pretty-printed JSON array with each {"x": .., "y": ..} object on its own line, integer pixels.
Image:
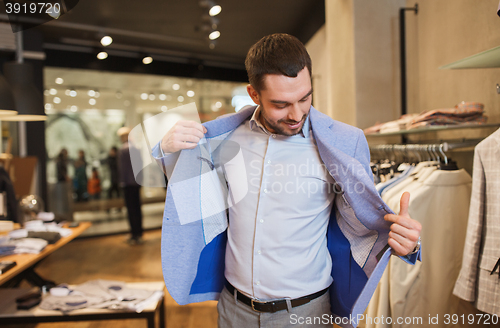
[
  {"x": 73, "y": 93},
  {"x": 56, "y": 100},
  {"x": 7, "y": 103},
  {"x": 53, "y": 91},
  {"x": 180, "y": 99},
  {"x": 152, "y": 96},
  {"x": 106, "y": 40},
  {"x": 96, "y": 94},
  {"x": 190, "y": 93},
  {"x": 92, "y": 101},
  {"x": 215, "y": 10},
  {"x": 74, "y": 108},
  {"x": 91, "y": 93},
  {"x": 59, "y": 80},
  {"x": 214, "y": 35},
  {"x": 28, "y": 100},
  {"x": 147, "y": 60},
  {"x": 164, "y": 108},
  {"x": 176, "y": 87},
  {"x": 162, "y": 96},
  {"x": 144, "y": 96},
  {"x": 102, "y": 55}
]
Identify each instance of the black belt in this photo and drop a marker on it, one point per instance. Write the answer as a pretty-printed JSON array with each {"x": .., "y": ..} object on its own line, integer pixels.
[{"x": 273, "y": 306}]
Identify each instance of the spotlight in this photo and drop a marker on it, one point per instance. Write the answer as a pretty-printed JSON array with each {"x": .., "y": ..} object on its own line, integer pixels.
[
  {"x": 106, "y": 40},
  {"x": 92, "y": 101},
  {"x": 102, "y": 55},
  {"x": 215, "y": 10},
  {"x": 59, "y": 80},
  {"x": 176, "y": 87},
  {"x": 147, "y": 60},
  {"x": 214, "y": 35}
]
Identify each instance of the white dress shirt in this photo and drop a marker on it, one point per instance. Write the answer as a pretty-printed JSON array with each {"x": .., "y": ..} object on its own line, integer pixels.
[{"x": 277, "y": 243}]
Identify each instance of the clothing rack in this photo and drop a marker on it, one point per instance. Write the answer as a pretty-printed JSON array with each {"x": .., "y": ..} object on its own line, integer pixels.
[{"x": 420, "y": 151}]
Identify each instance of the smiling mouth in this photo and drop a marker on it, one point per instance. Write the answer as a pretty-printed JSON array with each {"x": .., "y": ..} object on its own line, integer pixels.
[{"x": 293, "y": 125}]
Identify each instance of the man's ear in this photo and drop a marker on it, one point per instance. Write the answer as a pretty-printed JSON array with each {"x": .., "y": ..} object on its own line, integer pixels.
[{"x": 253, "y": 94}]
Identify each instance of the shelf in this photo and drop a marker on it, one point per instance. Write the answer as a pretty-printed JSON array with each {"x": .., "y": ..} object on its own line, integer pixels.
[
  {"x": 486, "y": 59},
  {"x": 434, "y": 129}
]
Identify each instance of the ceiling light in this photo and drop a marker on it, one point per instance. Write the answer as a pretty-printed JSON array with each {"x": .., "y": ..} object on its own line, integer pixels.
[
  {"x": 53, "y": 91},
  {"x": 102, "y": 55},
  {"x": 97, "y": 94},
  {"x": 91, "y": 93},
  {"x": 147, "y": 60},
  {"x": 74, "y": 108},
  {"x": 176, "y": 87},
  {"x": 59, "y": 80},
  {"x": 72, "y": 93},
  {"x": 163, "y": 96},
  {"x": 56, "y": 100},
  {"x": 67, "y": 92},
  {"x": 214, "y": 35},
  {"x": 106, "y": 40},
  {"x": 144, "y": 96},
  {"x": 215, "y": 10},
  {"x": 48, "y": 106},
  {"x": 164, "y": 108},
  {"x": 152, "y": 96},
  {"x": 180, "y": 99},
  {"x": 92, "y": 101},
  {"x": 218, "y": 104},
  {"x": 190, "y": 93}
]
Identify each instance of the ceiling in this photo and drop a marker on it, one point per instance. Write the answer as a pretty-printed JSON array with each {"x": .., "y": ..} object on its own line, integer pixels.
[{"x": 173, "y": 29}]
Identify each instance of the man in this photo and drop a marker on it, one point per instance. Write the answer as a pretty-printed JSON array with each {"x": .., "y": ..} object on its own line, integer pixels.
[
  {"x": 131, "y": 189},
  {"x": 310, "y": 215}
]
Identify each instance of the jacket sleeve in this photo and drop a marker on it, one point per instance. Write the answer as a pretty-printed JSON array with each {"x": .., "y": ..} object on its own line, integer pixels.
[
  {"x": 362, "y": 153},
  {"x": 165, "y": 161},
  {"x": 466, "y": 282}
]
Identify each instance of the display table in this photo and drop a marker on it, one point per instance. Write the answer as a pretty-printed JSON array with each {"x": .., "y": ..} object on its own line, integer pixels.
[
  {"x": 10, "y": 315},
  {"x": 27, "y": 262}
]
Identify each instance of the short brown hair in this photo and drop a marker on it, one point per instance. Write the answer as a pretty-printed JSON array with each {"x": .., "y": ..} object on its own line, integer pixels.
[{"x": 279, "y": 53}]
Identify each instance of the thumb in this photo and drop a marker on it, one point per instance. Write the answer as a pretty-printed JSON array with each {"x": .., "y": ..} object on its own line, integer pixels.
[{"x": 404, "y": 204}]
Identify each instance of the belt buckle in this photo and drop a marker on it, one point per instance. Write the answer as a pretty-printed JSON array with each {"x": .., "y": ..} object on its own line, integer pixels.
[{"x": 252, "y": 301}]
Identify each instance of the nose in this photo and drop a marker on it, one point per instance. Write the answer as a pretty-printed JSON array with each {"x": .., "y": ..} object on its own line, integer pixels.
[{"x": 294, "y": 113}]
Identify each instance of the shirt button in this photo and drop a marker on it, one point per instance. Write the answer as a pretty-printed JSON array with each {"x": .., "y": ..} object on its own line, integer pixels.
[
  {"x": 257, "y": 283},
  {"x": 261, "y": 221},
  {"x": 259, "y": 252}
]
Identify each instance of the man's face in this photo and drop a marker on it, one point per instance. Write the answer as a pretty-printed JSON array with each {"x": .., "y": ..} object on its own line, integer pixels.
[{"x": 284, "y": 102}]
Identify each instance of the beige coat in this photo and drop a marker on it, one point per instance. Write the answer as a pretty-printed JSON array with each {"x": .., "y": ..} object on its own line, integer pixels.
[{"x": 482, "y": 243}]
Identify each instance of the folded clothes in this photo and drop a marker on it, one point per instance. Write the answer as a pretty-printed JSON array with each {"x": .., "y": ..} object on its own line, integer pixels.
[
  {"x": 23, "y": 245},
  {"x": 463, "y": 113},
  {"x": 100, "y": 294}
]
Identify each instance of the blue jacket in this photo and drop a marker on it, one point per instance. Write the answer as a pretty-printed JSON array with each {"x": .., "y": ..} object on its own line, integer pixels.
[{"x": 193, "y": 243}]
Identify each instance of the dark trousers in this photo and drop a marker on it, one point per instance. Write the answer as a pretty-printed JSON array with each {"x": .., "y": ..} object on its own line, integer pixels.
[
  {"x": 133, "y": 203},
  {"x": 114, "y": 187}
]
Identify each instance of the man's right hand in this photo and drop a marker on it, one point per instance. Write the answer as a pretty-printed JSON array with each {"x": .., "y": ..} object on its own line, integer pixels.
[{"x": 183, "y": 135}]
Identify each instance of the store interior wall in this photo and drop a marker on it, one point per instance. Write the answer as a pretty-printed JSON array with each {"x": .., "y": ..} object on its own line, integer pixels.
[
  {"x": 361, "y": 70},
  {"x": 442, "y": 33}
]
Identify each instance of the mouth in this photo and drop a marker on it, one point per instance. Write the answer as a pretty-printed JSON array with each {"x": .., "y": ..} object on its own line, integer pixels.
[{"x": 293, "y": 125}]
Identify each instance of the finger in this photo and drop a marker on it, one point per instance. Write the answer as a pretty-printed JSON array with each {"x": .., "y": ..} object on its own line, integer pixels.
[
  {"x": 192, "y": 124},
  {"x": 193, "y": 132},
  {"x": 187, "y": 138},
  {"x": 410, "y": 234},
  {"x": 403, "y": 221},
  {"x": 404, "y": 204},
  {"x": 397, "y": 247}
]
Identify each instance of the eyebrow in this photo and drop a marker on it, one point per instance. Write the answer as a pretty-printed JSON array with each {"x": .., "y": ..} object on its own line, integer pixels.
[{"x": 286, "y": 102}]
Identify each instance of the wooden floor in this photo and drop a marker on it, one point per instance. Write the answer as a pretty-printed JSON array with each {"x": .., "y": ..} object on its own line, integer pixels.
[{"x": 111, "y": 258}]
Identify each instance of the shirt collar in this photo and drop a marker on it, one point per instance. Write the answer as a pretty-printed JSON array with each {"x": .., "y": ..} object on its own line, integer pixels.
[{"x": 255, "y": 123}]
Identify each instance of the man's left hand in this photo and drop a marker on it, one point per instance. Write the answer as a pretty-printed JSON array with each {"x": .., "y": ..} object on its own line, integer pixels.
[{"x": 404, "y": 230}]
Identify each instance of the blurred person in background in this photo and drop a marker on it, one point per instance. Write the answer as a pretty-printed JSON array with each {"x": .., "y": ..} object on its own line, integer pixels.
[
  {"x": 80, "y": 178},
  {"x": 131, "y": 188},
  {"x": 112, "y": 162},
  {"x": 94, "y": 185},
  {"x": 62, "y": 166}
]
